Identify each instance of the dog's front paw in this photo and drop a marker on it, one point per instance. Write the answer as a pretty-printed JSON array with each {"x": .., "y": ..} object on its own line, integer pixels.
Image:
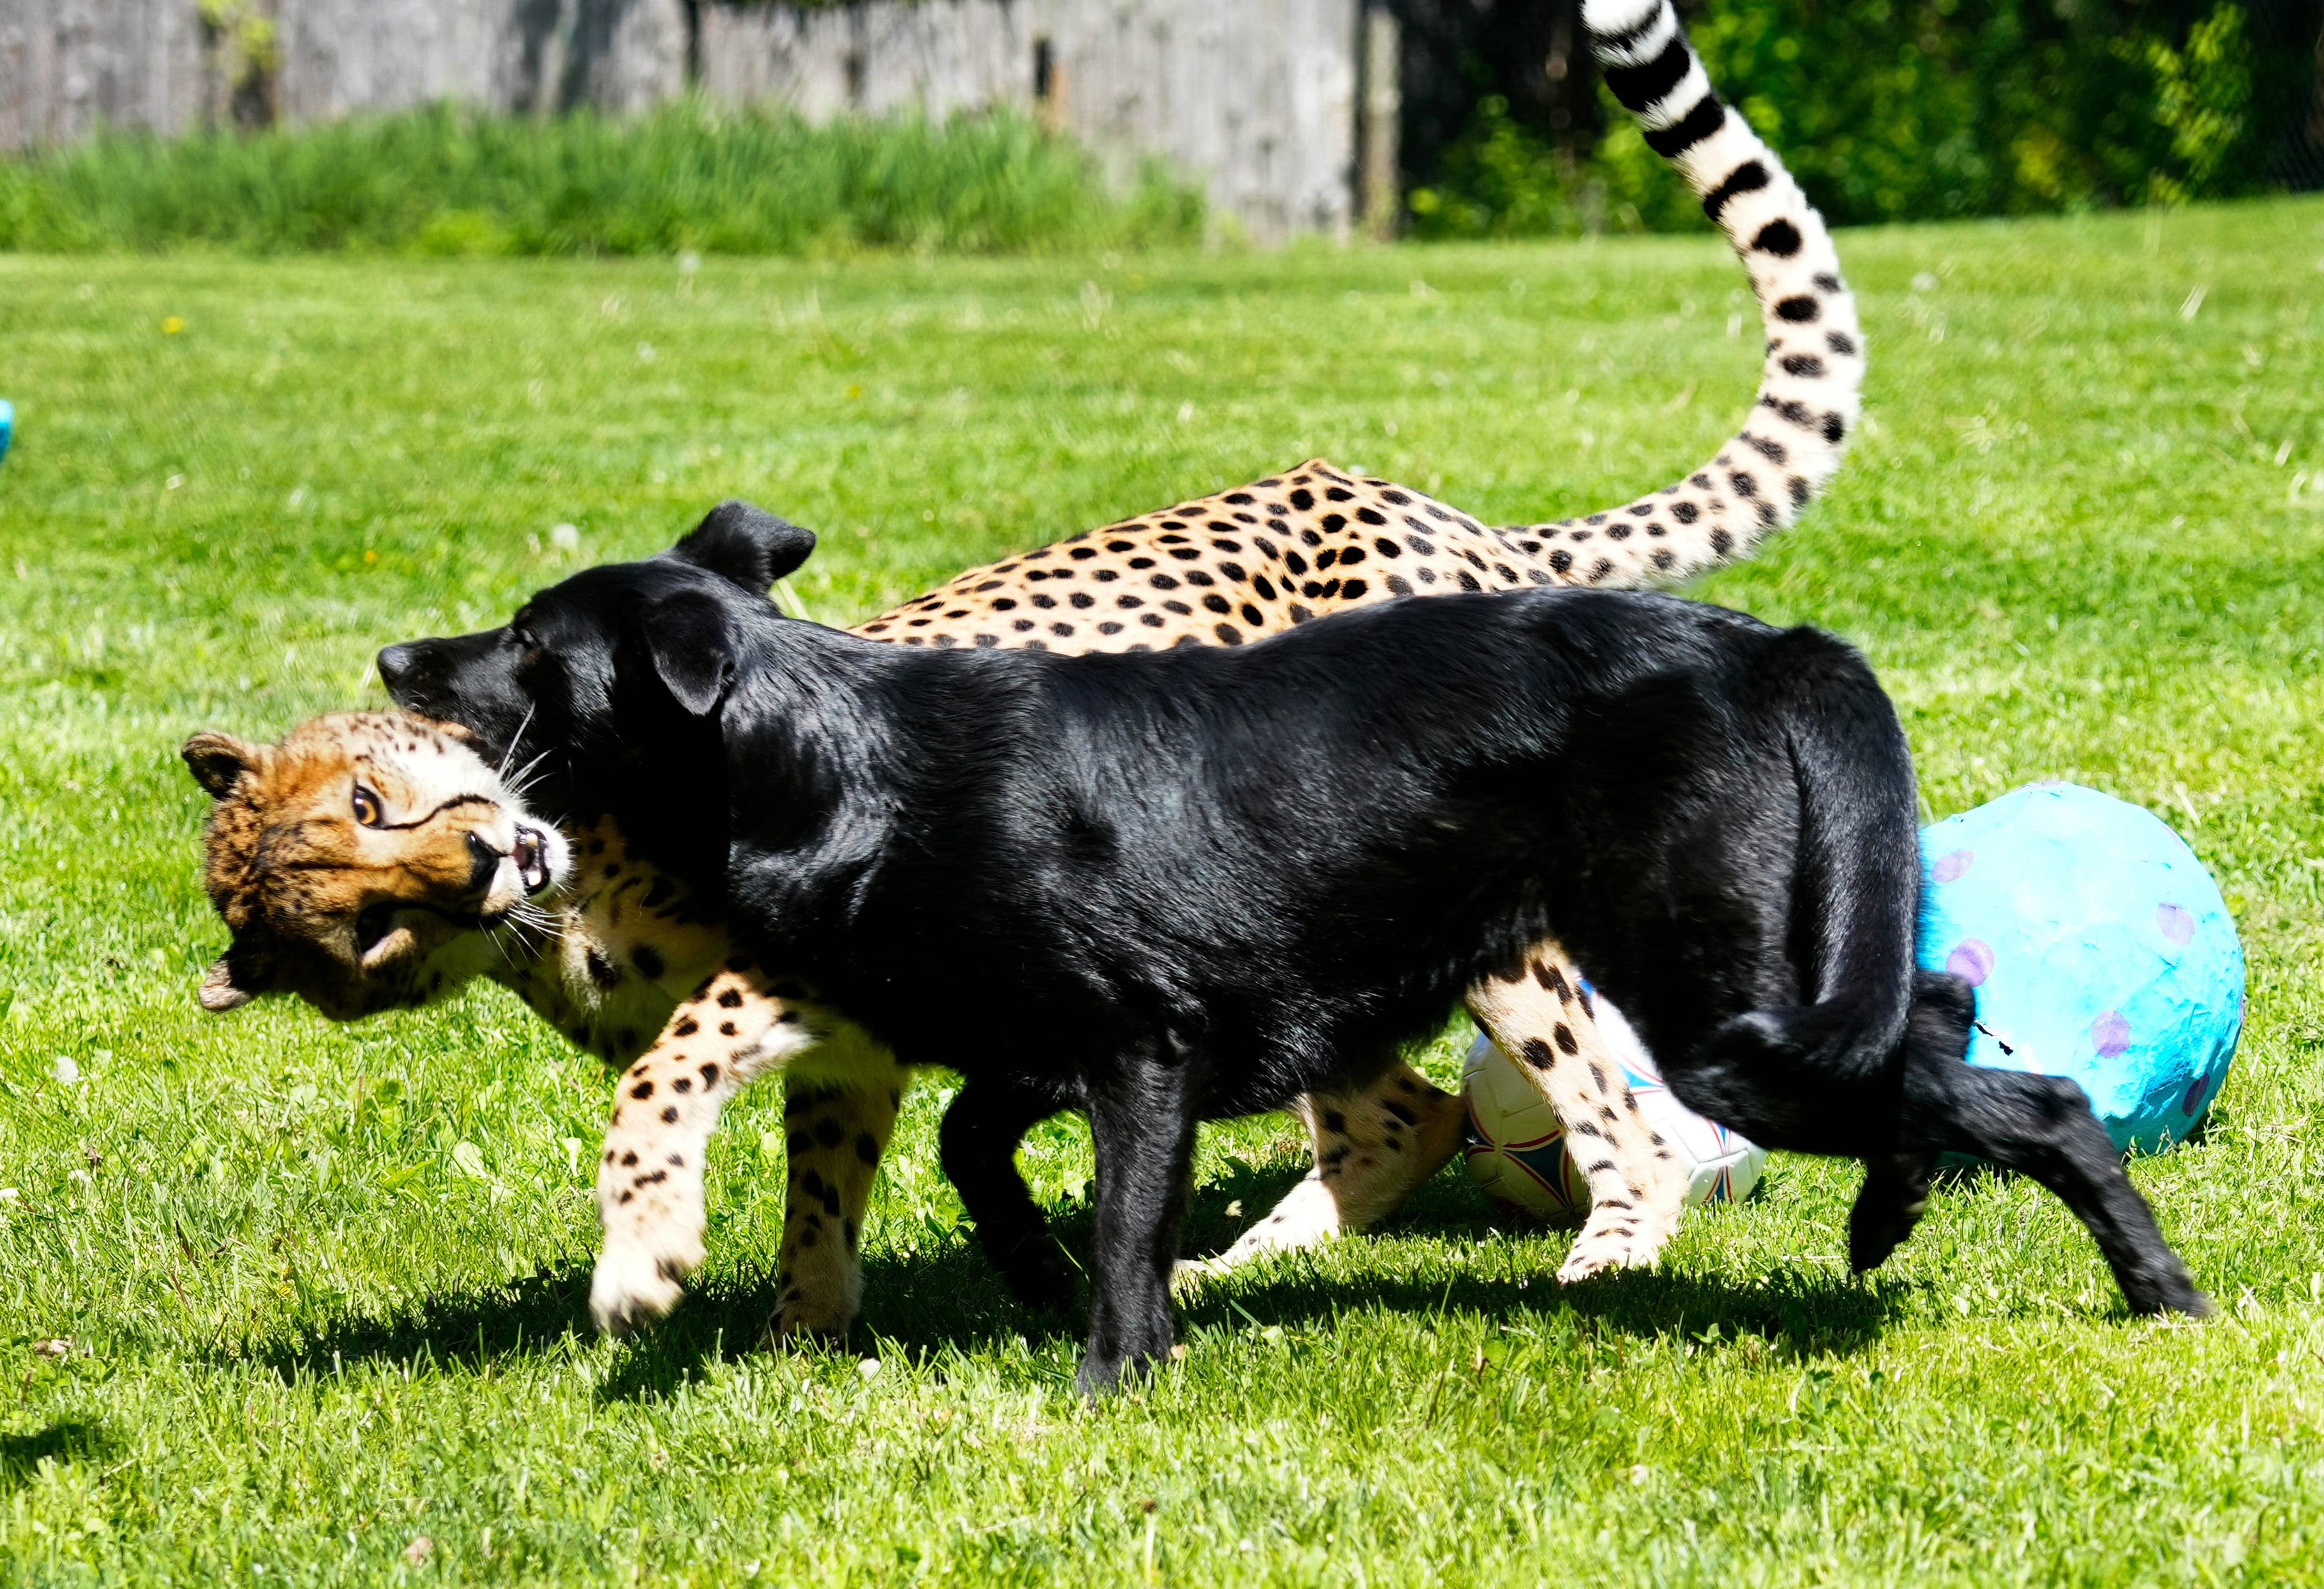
[{"x": 634, "y": 1286}]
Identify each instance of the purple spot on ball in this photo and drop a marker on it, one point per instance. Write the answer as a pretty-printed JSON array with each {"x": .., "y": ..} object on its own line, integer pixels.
[
  {"x": 2177, "y": 922},
  {"x": 1971, "y": 960},
  {"x": 2111, "y": 1034},
  {"x": 1953, "y": 864},
  {"x": 2195, "y": 1095}
]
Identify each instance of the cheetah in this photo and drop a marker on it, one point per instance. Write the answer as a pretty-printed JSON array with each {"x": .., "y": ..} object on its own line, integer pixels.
[{"x": 623, "y": 945}]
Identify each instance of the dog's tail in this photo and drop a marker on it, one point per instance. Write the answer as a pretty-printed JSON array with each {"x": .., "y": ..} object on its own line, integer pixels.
[
  {"x": 1778, "y": 1075},
  {"x": 1810, "y": 384},
  {"x": 1872, "y": 1064}
]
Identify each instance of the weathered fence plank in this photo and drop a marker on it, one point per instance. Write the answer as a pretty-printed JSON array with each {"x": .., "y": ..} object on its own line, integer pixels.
[{"x": 1258, "y": 100}]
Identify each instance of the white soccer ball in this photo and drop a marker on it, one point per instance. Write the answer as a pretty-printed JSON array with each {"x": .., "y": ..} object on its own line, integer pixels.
[{"x": 1516, "y": 1146}]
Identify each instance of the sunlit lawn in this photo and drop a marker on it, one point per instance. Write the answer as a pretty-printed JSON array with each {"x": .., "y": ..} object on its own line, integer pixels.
[{"x": 323, "y": 1285}]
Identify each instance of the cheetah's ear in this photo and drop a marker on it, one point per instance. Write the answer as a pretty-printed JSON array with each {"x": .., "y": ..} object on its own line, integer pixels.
[
  {"x": 220, "y": 761},
  {"x": 458, "y": 733},
  {"x": 241, "y": 974},
  {"x": 747, "y": 545}
]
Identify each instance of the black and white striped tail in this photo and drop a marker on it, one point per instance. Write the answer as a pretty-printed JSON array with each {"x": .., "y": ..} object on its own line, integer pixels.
[{"x": 1810, "y": 387}]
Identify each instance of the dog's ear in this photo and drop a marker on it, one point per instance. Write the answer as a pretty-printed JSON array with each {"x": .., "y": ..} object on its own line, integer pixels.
[
  {"x": 747, "y": 545},
  {"x": 687, "y": 635},
  {"x": 241, "y": 974},
  {"x": 219, "y": 762}
]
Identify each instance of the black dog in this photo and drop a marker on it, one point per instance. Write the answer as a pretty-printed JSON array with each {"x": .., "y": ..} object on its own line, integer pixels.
[{"x": 1171, "y": 886}]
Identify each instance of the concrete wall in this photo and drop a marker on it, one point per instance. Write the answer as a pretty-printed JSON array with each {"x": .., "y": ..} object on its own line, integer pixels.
[{"x": 1256, "y": 97}]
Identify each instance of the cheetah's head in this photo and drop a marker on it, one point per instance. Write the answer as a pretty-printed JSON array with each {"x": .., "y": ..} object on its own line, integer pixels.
[{"x": 355, "y": 858}]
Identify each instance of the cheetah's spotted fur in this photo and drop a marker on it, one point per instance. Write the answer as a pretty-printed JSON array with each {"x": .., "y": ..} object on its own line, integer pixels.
[
  {"x": 1224, "y": 569},
  {"x": 1232, "y": 567}
]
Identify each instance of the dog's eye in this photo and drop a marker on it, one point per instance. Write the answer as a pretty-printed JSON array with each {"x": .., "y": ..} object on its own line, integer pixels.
[{"x": 368, "y": 809}]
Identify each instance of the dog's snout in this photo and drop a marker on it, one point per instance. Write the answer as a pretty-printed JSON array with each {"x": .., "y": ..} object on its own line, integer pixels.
[
  {"x": 397, "y": 663},
  {"x": 484, "y": 863}
]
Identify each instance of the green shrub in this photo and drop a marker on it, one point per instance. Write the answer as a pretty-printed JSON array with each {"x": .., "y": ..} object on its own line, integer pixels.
[
  {"x": 1891, "y": 110},
  {"x": 687, "y": 176}
]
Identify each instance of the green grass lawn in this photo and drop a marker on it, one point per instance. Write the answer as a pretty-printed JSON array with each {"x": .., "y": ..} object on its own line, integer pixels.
[{"x": 325, "y": 1285}]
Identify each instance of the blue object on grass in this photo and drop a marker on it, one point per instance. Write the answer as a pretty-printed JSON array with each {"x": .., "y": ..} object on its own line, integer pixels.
[
  {"x": 8, "y": 425},
  {"x": 2099, "y": 948}
]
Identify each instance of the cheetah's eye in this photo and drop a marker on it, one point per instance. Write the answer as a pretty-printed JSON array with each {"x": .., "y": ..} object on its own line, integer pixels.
[{"x": 368, "y": 809}]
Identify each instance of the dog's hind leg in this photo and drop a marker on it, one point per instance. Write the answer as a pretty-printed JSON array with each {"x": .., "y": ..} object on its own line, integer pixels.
[
  {"x": 1890, "y": 1203},
  {"x": 978, "y": 1142},
  {"x": 2041, "y": 1126},
  {"x": 650, "y": 1177},
  {"x": 1541, "y": 1017},
  {"x": 1373, "y": 1145},
  {"x": 839, "y": 1108}
]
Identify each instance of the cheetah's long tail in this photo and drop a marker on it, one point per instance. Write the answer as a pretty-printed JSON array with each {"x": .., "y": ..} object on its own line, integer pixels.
[{"x": 1810, "y": 385}]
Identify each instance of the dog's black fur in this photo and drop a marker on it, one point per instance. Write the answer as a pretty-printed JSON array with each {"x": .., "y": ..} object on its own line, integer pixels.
[{"x": 1194, "y": 883}]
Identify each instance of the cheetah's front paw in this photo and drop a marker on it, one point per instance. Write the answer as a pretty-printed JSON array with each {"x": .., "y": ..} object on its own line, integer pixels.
[
  {"x": 1307, "y": 1215},
  {"x": 1614, "y": 1238},
  {"x": 634, "y": 1286}
]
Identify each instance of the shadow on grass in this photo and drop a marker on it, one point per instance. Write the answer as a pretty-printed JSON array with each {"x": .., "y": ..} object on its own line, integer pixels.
[
  {"x": 949, "y": 1299},
  {"x": 527, "y": 1316},
  {"x": 68, "y": 1439},
  {"x": 1810, "y": 1309}
]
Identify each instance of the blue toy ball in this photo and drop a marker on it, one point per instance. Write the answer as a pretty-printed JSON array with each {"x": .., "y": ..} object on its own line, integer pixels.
[
  {"x": 8, "y": 425},
  {"x": 2099, "y": 948}
]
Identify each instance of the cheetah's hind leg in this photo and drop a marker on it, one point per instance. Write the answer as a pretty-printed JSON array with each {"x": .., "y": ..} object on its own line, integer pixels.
[
  {"x": 1373, "y": 1145},
  {"x": 1572, "y": 1046}
]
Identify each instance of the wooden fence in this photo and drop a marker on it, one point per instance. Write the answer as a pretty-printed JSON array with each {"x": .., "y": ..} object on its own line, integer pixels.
[{"x": 1259, "y": 98}]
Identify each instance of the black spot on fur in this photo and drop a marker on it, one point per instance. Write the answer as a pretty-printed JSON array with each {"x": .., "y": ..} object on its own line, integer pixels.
[
  {"x": 1747, "y": 177},
  {"x": 1690, "y": 129},
  {"x": 1778, "y": 238}
]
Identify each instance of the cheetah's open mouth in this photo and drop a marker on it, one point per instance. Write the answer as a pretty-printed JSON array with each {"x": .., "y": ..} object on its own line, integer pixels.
[
  {"x": 372, "y": 924},
  {"x": 531, "y": 856}
]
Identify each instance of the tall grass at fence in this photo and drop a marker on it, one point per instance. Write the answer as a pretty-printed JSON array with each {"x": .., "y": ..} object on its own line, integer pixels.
[{"x": 687, "y": 176}]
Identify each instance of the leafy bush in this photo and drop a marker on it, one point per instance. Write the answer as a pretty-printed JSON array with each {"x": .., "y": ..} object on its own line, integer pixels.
[
  {"x": 687, "y": 176},
  {"x": 1912, "y": 109}
]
